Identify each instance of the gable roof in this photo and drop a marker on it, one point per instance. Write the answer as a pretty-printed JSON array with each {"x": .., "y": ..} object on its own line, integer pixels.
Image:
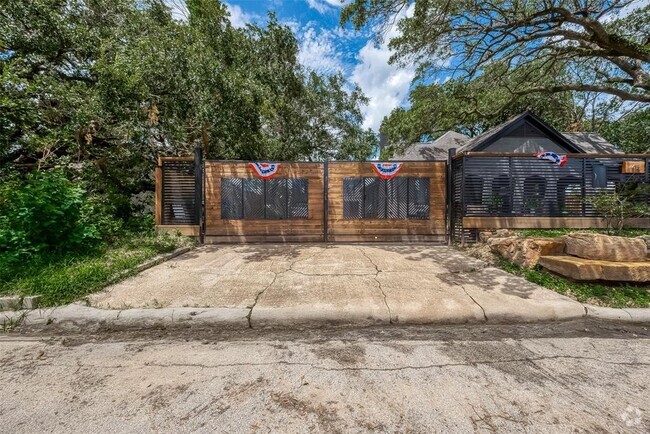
[
  {"x": 436, "y": 150},
  {"x": 592, "y": 143},
  {"x": 484, "y": 140}
]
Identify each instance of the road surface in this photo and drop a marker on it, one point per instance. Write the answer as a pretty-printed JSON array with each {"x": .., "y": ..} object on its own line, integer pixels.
[{"x": 579, "y": 376}]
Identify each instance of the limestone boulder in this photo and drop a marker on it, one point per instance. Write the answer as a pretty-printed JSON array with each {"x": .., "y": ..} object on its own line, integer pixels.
[
  {"x": 646, "y": 238},
  {"x": 605, "y": 247},
  {"x": 593, "y": 269},
  {"x": 526, "y": 252}
]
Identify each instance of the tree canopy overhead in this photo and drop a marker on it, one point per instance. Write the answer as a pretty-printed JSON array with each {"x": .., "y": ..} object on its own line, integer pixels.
[
  {"x": 583, "y": 45},
  {"x": 101, "y": 87}
]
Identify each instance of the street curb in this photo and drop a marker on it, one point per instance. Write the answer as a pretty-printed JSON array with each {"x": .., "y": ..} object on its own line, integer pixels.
[
  {"x": 74, "y": 316},
  {"x": 634, "y": 315}
]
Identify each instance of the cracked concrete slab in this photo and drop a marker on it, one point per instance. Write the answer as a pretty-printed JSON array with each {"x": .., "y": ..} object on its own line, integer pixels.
[
  {"x": 297, "y": 298},
  {"x": 360, "y": 283},
  {"x": 508, "y": 298},
  {"x": 425, "y": 298}
]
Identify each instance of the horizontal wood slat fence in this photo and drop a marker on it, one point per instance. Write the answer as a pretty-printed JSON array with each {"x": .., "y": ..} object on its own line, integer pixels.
[{"x": 228, "y": 202}]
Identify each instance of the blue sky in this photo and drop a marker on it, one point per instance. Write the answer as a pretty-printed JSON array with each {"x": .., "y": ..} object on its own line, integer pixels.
[{"x": 327, "y": 48}]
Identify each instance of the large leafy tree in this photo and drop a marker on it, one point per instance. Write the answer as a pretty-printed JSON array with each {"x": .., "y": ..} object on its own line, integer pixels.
[
  {"x": 102, "y": 87},
  {"x": 581, "y": 45},
  {"x": 471, "y": 107}
]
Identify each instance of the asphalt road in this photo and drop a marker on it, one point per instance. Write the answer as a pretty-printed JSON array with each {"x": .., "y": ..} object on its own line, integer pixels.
[{"x": 579, "y": 376}]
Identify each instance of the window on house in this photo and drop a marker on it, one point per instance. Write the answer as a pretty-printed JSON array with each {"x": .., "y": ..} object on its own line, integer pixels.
[
  {"x": 258, "y": 199},
  {"x": 376, "y": 198}
]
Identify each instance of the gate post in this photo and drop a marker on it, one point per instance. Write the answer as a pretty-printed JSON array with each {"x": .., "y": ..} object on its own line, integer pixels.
[
  {"x": 325, "y": 200},
  {"x": 198, "y": 190},
  {"x": 450, "y": 197}
]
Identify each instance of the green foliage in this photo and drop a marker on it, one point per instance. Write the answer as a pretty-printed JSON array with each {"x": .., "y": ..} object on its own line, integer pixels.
[
  {"x": 631, "y": 133},
  {"x": 618, "y": 206},
  {"x": 62, "y": 279},
  {"x": 613, "y": 295},
  {"x": 106, "y": 86},
  {"x": 605, "y": 50},
  {"x": 472, "y": 107},
  {"x": 45, "y": 212},
  {"x": 554, "y": 233}
]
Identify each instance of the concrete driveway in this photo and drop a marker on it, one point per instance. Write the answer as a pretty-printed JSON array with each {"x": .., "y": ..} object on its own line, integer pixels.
[{"x": 290, "y": 284}]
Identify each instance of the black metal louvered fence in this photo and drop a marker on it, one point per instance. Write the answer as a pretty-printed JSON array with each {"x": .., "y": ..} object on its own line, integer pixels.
[
  {"x": 491, "y": 185},
  {"x": 181, "y": 191}
]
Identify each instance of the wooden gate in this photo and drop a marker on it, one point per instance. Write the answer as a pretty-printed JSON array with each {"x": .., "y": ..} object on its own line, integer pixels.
[
  {"x": 410, "y": 207},
  {"x": 242, "y": 207},
  {"x": 303, "y": 202}
]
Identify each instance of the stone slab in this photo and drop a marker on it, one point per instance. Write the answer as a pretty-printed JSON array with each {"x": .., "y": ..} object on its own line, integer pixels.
[
  {"x": 10, "y": 303},
  {"x": 590, "y": 269},
  {"x": 605, "y": 247},
  {"x": 31, "y": 302}
]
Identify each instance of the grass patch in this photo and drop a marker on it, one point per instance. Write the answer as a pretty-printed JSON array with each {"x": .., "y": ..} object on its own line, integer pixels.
[
  {"x": 553, "y": 233},
  {"x": 61, "y": 280},
  {"x": 611, "y": 295}
]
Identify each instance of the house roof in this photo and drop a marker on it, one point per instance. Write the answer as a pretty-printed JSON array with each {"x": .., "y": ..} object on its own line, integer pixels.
[
  {"x": 436, "y": 150},
  {"x": 478, "y": 143},
  {"x": 592, "y": 143}
]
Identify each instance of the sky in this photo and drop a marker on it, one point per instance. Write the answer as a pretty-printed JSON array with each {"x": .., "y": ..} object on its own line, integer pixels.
[{"x": 327, "y": 48}]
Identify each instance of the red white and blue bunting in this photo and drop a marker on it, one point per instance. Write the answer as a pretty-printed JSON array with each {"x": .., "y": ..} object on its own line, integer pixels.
[
  {"x": 265, "y": 170},
  {"x": 560, "y": 160},
  {"x": 387, "y": 170}
]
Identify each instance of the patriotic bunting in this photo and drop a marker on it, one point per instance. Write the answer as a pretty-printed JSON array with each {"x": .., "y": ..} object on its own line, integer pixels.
[
  {"x": 265, "y": 170},
  {"x": 560, "y": 160},
  {"x": 387, "y": 170}
]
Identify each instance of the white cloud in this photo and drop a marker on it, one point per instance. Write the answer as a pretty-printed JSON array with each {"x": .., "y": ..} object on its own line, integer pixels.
[
  {"x": 178, "y": 8},
  {"x": 323, "y": 6},
  {"x": 239, "y": 18},
  {"x": 318, "y": 6},
  {"x": 386, "y": 86},
  {"x": 318, "y": 50}
]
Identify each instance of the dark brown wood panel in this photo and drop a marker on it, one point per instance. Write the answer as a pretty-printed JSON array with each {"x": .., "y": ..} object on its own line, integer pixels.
[
  {"x": 545, "y": 222},
  {"x": 350, "y": 230},
  {"x": 236, "y": 231}
]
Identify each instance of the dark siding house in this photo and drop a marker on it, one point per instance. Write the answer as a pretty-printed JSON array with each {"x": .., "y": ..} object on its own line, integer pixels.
[{"x": 524, "y": 133}]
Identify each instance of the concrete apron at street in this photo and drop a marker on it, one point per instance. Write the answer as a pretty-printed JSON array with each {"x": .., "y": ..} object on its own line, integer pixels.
[{"x": 262, "y": 285}]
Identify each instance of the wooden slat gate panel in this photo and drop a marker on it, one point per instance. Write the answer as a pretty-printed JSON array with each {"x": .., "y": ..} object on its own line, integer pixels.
[
  {"x": 431, "y": 229},
  {"x": 337, "y": 228},
  {"x": 222, "y": 230}
]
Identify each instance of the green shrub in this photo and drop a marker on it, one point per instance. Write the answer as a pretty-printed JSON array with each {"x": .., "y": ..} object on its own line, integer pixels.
[
  {"x": 626, "y": 202},
  {"x": 46, "y": 213}
]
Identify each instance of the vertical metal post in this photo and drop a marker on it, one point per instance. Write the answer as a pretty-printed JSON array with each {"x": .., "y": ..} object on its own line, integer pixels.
[
  {"x": 449, "y": 202},
  {"x": 462, "y": 201},
  {"x": 198, "y": 190},
  {"x": 325, "y": 200},
  {"x": 513, "y": 185},
  {"x": 583, "y": 186}
]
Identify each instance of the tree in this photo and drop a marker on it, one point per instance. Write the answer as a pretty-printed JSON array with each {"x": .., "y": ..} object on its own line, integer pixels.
[
  {"x": 102, "y": 87},
  {"x": 577, "y": 45},
  {"x": 472, "y": 107},
  {"x": 631, "y": 133}
]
